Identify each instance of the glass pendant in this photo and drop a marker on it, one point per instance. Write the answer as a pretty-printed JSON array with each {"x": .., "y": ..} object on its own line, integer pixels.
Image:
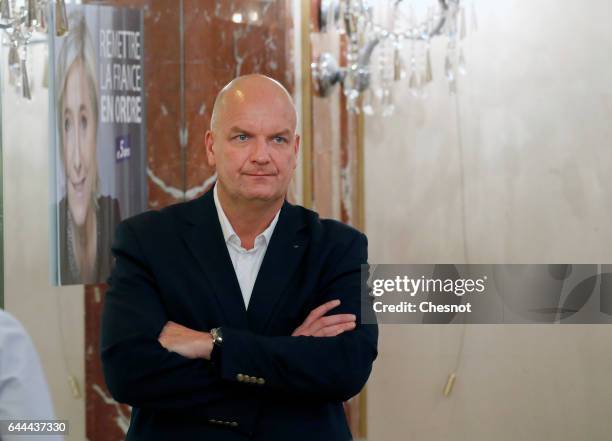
[
  {"x": 461, "y": 65},
  {"x": 32, "y": 14},
  {"x": 428, "y": 69},
  {"x": 5, "y": 10},
  {"x": 387, "y": 103},
  {"x": 350, "y": 23},
  {"x": 399, "y": 72},
  {"x": 42, "y": 19},
  {"x": 25, "y": 82},
  {"x": 413, "y": 84},
  {"x": 463, "y": 30},
  {"x": 451, "y": 25},
  {"x": 367, "y": 105},
  {"x": 430, "y": 20},
  {"x": 449, "y": 69},
  {"x": 452, "y": 87},
  {"x": 61, "y": 19},
  {"x": 14, "y": 66},
  {"x": 474, "y": 18},
  {"x": 13, "y": 56}
]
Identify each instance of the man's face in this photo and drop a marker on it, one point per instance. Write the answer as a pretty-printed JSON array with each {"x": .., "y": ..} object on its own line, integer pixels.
[
  {"x": 79, "y": 135},
  {"x": 254, "y": 146}
]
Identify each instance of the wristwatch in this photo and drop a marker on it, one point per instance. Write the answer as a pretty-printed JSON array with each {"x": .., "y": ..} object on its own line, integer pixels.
[{"x": 217, "y": 336}]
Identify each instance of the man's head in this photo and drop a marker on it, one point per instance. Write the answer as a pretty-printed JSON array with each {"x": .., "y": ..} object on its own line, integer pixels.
[{"x": 252, "y": 140}]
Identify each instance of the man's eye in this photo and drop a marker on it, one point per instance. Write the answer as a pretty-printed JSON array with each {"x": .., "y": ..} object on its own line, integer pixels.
[
  {"x": 242, "y": 137},
  {"x": 67, "y": 124},
  {"x": 280, "y": 139},
  {"x": 83, "y": 122}
]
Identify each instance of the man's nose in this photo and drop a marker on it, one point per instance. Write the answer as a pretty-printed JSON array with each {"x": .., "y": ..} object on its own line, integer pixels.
[{"x": 260, "y": 152}]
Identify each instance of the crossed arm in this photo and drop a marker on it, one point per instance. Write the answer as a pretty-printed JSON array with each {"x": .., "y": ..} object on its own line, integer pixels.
[
  {"x": 151, "y": 362},
  {"x": 197, "y": 344}
]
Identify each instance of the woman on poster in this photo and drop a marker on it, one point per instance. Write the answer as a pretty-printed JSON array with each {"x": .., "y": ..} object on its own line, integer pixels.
[{"x": 86, "y": 219}]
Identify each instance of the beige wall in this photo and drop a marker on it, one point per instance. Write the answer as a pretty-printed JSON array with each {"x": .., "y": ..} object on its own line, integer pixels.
[
  {"x": 54, "y": 317},
  {"x": 528, "y": 182}
]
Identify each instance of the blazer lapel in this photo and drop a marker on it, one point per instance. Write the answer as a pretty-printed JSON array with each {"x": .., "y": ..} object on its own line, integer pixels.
[
  {"x": 205, "y": 240},
  {"x": 283, "y": 255}
]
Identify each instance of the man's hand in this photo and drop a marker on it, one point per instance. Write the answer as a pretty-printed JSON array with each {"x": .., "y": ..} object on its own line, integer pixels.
[
  {"x": 316, "y": 325},
  {"x": 185, "y": 341}
]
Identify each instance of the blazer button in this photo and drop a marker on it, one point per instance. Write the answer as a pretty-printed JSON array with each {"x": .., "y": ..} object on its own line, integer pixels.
[
  {"x": 240, "y": 377},
  {"x": 212, "y": 421},
  {"x": 234, "y": 424},
  {"x": 261, "y": 381}
]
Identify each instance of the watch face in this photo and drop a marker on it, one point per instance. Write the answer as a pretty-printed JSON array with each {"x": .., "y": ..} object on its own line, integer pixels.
[{"x": 217, "y": 336}]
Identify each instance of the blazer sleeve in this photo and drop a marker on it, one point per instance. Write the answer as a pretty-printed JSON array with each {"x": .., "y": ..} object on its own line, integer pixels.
[
  {"x": 137, "y": 369},
  {"x": 330, "y": 368}
]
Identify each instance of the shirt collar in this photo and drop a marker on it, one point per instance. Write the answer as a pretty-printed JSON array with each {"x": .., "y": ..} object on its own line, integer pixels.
[{"x": 229, "y": 235}]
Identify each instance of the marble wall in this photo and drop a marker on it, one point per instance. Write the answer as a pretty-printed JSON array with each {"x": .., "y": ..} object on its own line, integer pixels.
[{"x": 180, "y": 94}]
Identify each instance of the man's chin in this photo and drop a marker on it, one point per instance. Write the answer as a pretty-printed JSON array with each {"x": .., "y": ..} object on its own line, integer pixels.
[{"x": 262, "y": 196}]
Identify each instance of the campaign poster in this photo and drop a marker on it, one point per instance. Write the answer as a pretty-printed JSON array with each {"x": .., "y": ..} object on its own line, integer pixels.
[{"x": 99, "y": 154}]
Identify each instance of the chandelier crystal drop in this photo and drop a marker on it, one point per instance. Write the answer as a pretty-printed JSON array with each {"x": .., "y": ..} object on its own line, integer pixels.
[
  {"x": 21, "y": 21},
  {"x": 391, "y": 44}
]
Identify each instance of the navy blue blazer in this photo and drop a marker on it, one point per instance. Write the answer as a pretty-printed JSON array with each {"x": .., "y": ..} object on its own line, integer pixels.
[{"x": 263, "y": 384}]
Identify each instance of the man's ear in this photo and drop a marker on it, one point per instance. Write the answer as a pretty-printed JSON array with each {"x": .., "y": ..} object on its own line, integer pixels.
[
  {"x": 296, "y": 148},
  {"x": 209, "y": 146}
]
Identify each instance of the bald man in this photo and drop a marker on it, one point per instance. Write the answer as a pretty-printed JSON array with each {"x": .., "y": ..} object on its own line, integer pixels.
[{"x": 237, "y": 316}]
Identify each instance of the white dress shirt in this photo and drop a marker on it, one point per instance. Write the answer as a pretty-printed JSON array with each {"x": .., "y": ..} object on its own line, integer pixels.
[
  {"x": 246, "y": 262},
  {"x": 23, "y": 388}
]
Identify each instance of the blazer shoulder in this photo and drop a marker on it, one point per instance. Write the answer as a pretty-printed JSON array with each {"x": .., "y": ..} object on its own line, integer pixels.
[
  {"x": 156, "y": 221},
  {"x": 142, "y": 221},
  {"x": 329, "y": 230}
]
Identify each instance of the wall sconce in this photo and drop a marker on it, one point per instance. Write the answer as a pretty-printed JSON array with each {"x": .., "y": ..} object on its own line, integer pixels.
[
  {"x": 355, "y": 19},
  {"x": 21, "y": 20}
]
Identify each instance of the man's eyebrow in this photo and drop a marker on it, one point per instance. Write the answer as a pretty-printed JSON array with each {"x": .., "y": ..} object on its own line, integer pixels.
[
  {"x": 236, "y": 129},
  {"x": 285, "y": 132}
]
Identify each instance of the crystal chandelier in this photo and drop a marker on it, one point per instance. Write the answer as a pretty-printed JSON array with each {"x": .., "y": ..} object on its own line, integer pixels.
[
  {"x": 21, "y": 20},
  {"x": 367, "y": 78}
]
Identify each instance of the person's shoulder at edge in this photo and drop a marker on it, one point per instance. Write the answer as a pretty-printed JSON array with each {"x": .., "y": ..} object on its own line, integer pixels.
[
  {"x": 24, "y": 393},
  {"x": 8, "y": 323},
  {"x": 13, "y": 337}
]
